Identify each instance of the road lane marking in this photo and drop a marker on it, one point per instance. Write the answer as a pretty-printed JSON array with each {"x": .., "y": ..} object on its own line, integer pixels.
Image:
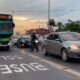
[
  {"x": 63, "y": 68},
  {"x": 58, "y": 66},
  {"x": 31, "y": 55},
  {"x": 55, "y": 65},
  {"x": 22, "y": 51},
  {"x": 10, "y": 57},
  {"x": 72, "y": 72},
  {"x": 22, "y": 67}
]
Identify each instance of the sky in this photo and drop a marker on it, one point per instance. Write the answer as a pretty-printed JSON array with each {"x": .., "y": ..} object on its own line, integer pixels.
[{"x": 32, "y": 13}]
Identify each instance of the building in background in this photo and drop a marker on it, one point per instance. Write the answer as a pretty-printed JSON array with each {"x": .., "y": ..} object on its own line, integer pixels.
[{"x": 40, "y": 31}]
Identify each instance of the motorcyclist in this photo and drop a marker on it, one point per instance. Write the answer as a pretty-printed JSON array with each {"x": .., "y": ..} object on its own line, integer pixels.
[{"x": 33, "y": 38}]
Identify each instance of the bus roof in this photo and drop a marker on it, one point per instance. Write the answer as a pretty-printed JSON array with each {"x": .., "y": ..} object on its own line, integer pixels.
[
  {"x": 6, "y": 14},
  {"x": 5, "y": 17}
]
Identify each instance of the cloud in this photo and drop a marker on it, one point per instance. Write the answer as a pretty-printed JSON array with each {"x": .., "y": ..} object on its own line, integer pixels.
[
  {"x": 72, "y": 16},
  {"x": 32, "y": 13},
  {"x": 62, "y": 9}
]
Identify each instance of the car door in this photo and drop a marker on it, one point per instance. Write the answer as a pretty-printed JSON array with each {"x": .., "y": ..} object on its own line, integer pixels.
[
  {"x": 57, "y": 44},
  {"x": 49, "y": 41}
]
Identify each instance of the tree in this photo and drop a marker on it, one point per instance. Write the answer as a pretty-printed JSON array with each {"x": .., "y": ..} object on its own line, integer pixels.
[
  {"x": 73, "y": 26},
  {"x": 60, "y": 25},
  {"x": 69, "y": 20},
  {"x": 51, "y": 23}
]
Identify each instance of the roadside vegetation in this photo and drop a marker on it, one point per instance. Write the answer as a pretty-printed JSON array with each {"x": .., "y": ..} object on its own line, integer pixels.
[{"x": 69, "y": 26}]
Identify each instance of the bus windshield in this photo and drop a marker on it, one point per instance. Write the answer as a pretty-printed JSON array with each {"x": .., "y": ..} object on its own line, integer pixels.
[{"x": 5, "y": 25}]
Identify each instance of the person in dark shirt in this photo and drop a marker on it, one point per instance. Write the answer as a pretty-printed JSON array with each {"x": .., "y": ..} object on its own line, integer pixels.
[{"x": 33, "y": 38}]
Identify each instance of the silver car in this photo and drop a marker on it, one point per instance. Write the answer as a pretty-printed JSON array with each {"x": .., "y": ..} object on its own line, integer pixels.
[{"x": 64, "y": 44}]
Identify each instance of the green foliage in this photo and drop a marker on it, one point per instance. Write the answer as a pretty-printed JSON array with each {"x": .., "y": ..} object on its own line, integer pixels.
[
  {"x": 60, "y": 25},
  {"x": 72, "y": 26},
  {"x": 51, "y": 22}
]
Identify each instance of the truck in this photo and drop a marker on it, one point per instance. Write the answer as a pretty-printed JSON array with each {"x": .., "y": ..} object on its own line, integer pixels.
[{"x": 6, "y": 30}]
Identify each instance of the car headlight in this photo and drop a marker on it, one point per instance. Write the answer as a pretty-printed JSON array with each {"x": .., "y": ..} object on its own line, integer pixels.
[{"x": 74, "y": 47}]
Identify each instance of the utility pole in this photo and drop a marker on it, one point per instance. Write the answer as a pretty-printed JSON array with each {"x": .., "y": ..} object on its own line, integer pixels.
[
  {"x": 39, "y": 31},
  {"x": 13, "y": 14},
  {"x": 48, "y": 13}
]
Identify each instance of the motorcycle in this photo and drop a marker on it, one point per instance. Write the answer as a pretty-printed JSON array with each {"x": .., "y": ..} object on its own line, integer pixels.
[{"x": 35, "y": 45}]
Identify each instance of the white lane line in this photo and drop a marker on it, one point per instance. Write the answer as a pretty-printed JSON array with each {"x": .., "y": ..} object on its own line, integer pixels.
[
  {"x": 55, "y": 65},
  {"x": 63, "y": 68},
  {"x": 72, "y": 72},
  {"x": 58, "y": 66},
  {"x": 22, "y": 51},
  {"x": 31, "y": 55}
]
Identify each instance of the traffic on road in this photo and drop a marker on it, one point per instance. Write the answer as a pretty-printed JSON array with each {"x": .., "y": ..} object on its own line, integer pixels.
[
  {"x": 39, "y": 39},
  {"x": 28, "y": 65}
]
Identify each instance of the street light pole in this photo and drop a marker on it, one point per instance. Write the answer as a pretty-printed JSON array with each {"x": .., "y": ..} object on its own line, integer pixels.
[
  {"x": 48, "y": 13},
  {"x": 13, "y": 14}
]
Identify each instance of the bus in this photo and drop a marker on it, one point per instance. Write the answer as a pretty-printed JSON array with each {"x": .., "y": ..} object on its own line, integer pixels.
[{"x": 6, "y": 30}]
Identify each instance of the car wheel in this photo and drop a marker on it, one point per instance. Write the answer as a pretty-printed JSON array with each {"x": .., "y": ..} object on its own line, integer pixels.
[
  {"x": 20, "y": 45},
  {"x": 64, "y": 55},
  {"x": 7, "y": 48},
  {"x": 45, "y": 51}
]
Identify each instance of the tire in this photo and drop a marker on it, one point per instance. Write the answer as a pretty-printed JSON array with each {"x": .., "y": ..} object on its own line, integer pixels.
[
  {"x": 64, "y": 55},
  {"x": 20, "y": 45},
  {"x": 7, "y": 48},
  {"x": 37, "y": 47},
  {"x": 31, "y": 48},
  {"x": 45, "y": 51}
]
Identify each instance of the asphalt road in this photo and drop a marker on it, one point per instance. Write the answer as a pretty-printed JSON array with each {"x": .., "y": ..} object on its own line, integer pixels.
[{"x": 21, "y": 64}]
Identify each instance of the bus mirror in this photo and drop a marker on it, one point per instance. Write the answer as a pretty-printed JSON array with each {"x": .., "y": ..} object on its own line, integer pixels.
[{"x": 13, "y": 25}]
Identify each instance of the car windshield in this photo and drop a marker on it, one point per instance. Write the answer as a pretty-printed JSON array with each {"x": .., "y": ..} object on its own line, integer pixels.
[
  {"x": 26, "y": 38},
  {"x": 70, "y": 36}
]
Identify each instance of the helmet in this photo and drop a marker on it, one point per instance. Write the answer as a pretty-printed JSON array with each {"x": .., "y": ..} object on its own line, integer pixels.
[{"x": 33, "y": 33}]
